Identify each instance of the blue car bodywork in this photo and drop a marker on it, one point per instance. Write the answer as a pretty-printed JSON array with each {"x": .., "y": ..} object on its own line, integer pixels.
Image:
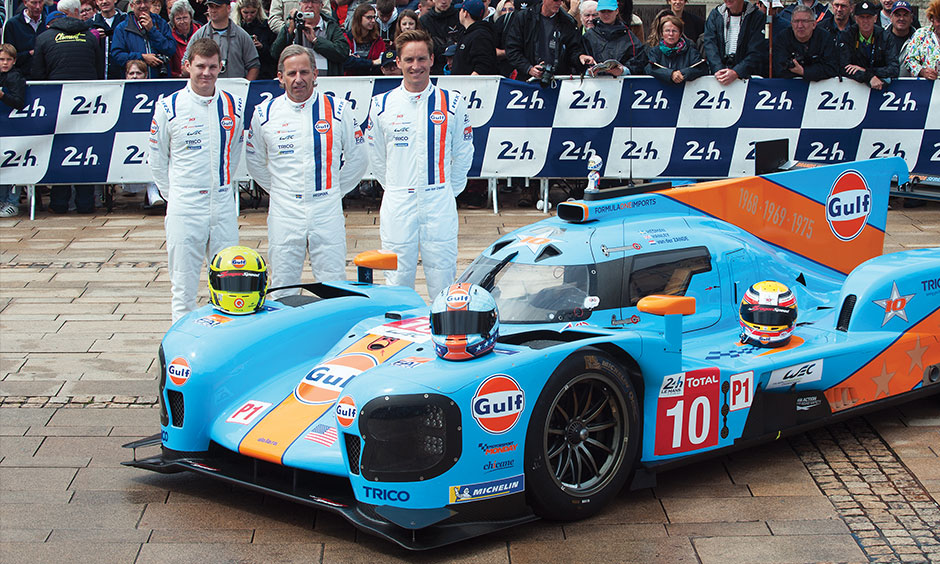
[{"x": 619, "y": 355}]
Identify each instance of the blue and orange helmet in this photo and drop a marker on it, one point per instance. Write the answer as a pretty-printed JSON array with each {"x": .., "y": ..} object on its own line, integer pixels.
[
  {"x": 464, "y": 322},
  {"x": 768, "y": 314}
]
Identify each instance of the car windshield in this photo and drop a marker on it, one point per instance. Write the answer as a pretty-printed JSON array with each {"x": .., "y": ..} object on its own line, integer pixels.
[{"x": 531, "y": 293}]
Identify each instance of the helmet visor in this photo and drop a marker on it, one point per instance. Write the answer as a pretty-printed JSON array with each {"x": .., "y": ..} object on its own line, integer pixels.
[
  {"x": 768, "y": 316},
  {"x": 463, "y": 322},
  {"x": 236, "y": 282}
]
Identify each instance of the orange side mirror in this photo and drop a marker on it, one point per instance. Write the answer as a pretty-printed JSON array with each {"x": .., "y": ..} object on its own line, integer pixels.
[
  {"x": 667, "y": 305},
  {"x": 377, "y": 260}
]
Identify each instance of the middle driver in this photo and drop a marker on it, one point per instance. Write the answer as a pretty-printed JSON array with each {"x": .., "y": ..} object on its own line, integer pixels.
[{"x": 307, "y": 150}]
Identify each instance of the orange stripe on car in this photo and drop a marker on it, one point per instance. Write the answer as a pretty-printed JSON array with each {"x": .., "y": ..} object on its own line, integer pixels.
[{"x": 276, "y": 431}]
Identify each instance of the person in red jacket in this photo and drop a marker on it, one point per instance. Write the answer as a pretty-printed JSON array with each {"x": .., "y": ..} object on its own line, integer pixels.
[
  {"x": 183, "y": 27},
  {"x": 365, "y": 45}
]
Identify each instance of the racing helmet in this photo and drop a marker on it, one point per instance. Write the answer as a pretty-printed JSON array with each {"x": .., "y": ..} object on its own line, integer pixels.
[
  {"x": 238, "y": 280},
  {"x": 464, "y": 322},
  {"x": 767, "y": 314}
]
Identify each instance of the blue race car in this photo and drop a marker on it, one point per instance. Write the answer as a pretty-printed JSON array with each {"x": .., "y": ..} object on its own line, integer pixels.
[{"x": 619, "y": 354}]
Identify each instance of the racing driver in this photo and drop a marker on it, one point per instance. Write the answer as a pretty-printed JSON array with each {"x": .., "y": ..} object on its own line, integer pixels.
[
  {"x": 422, "y": 150},
  {"x": 195, "y": 145},
  {"x": 306, "y": 148}
]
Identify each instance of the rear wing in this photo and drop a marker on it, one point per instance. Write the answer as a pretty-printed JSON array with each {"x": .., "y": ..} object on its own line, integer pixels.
[{"x": 833, "y": 215}]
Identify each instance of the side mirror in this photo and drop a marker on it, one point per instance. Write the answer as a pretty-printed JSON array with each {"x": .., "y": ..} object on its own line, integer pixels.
[
  {"x": 667, "y": 305},
  {"x": 671, "y": 308},
  {"x": 367, "y": 261}
]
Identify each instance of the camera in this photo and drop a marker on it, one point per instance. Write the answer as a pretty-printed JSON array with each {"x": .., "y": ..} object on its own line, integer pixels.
[
  {"x": 548, "y": 75},
  {"x": 300, "y": 25},
  {"x": 549, "y": 69},
  {"x": 164, "y": 70}
]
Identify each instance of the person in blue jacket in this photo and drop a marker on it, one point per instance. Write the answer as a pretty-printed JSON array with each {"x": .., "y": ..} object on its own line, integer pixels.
[{"x": 145, "y": 36}]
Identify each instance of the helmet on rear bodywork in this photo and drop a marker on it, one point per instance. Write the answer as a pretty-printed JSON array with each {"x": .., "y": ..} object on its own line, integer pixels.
[{"x": 767, "y": 314}]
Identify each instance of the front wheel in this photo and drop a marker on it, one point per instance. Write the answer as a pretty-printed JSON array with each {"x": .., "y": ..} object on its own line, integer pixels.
[{"x": 582, "y": 439}]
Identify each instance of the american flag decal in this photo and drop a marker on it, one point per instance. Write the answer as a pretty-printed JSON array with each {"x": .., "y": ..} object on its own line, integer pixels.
[{"x": 322, "y": 434}]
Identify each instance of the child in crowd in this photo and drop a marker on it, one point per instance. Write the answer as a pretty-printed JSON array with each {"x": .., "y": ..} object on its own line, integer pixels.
[
  {"x": 13, "y": 94},
  {"x": 137, "y": 70}
]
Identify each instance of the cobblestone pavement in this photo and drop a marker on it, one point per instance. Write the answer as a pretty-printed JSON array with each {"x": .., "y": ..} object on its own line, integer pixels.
[{"x": 84, "y": 304}]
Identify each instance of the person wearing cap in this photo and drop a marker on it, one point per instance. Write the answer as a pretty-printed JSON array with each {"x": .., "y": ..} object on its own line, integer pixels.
[
  {"x": 734, "y": 43},
  {"x": 543, "y": 37},
  {"x": 923, "y": 56},
  {"x": 144, "y": 36},
  {"x": 775, "y": 7},
  {"x": 867, "y": 52},
  {"x": 305, "y": 147},
  {"x": 239, "y": 55},
  {"x": 610, "y": 39},
  {"x": 841, "y": 19},
  {"x": 476, "y": 45},
  {"x": 442, "y": 23},
  {"x": 902, "y": 19},
  {"x": 390, "y": 64},
  {"x": 805, "y": 50},
  {"x": 422, "y": 149}
]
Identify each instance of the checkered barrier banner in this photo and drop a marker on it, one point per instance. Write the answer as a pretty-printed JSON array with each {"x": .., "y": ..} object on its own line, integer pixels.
[{"x": 96, "y": 132}]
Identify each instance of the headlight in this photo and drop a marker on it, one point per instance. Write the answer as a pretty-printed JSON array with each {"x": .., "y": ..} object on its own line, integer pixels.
[{"x": 409, "y": 438}]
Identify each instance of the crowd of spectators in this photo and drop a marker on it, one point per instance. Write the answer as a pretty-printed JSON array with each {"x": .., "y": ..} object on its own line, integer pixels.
[{"x": 872, "y": 42}]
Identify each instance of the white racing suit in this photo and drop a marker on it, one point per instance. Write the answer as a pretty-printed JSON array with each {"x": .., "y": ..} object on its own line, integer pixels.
[
  {"x": 195, "y": 145},
  {"x": 307, "y": 155},
  {"x": 422, "y": 149}
]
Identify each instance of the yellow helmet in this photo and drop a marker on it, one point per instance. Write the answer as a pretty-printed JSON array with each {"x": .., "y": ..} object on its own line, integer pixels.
[{"x": 238, "y": 280}]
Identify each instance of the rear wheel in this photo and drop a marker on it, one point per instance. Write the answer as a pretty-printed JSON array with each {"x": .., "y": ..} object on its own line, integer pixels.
[{"x": 582, "y": 439}]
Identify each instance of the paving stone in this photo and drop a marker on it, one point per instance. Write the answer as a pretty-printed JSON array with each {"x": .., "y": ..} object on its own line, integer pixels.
[
  {"x": 674, "y": 550},
  {"x": 19, "y": 446},
  {"x": 105, "y": 451},
  {"x": 71, "y": 431},
  {"x": 808, "y": 527},
  {"x": 94, "y": 536},
  {"x": 75, "y": 551},
  {"x": 626, "y": 509},
  {"x": 25, "y": 479},
  {"x": 796, "y": 548},
  {"x": 111, "y": 417},
  {"x": 705, "y": 510},
  {"x": 192, "y": 516},
  {"x": 23, "y": 535},
  {"x": 747, "y": 528},
  {"x": 45, "y": 461},
  {"x": 24, "y": 417},
  {"x": 41, "y": 388},
  {"x": 626, "y": 531},
  {"x": 35, "y": 496},
  {"x": 202, "y": 536},
  {"x": 69, "y": 516}
]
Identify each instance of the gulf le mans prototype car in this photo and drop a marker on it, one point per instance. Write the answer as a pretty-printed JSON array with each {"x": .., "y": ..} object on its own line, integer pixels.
[{"x": 619, "y": 354}]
